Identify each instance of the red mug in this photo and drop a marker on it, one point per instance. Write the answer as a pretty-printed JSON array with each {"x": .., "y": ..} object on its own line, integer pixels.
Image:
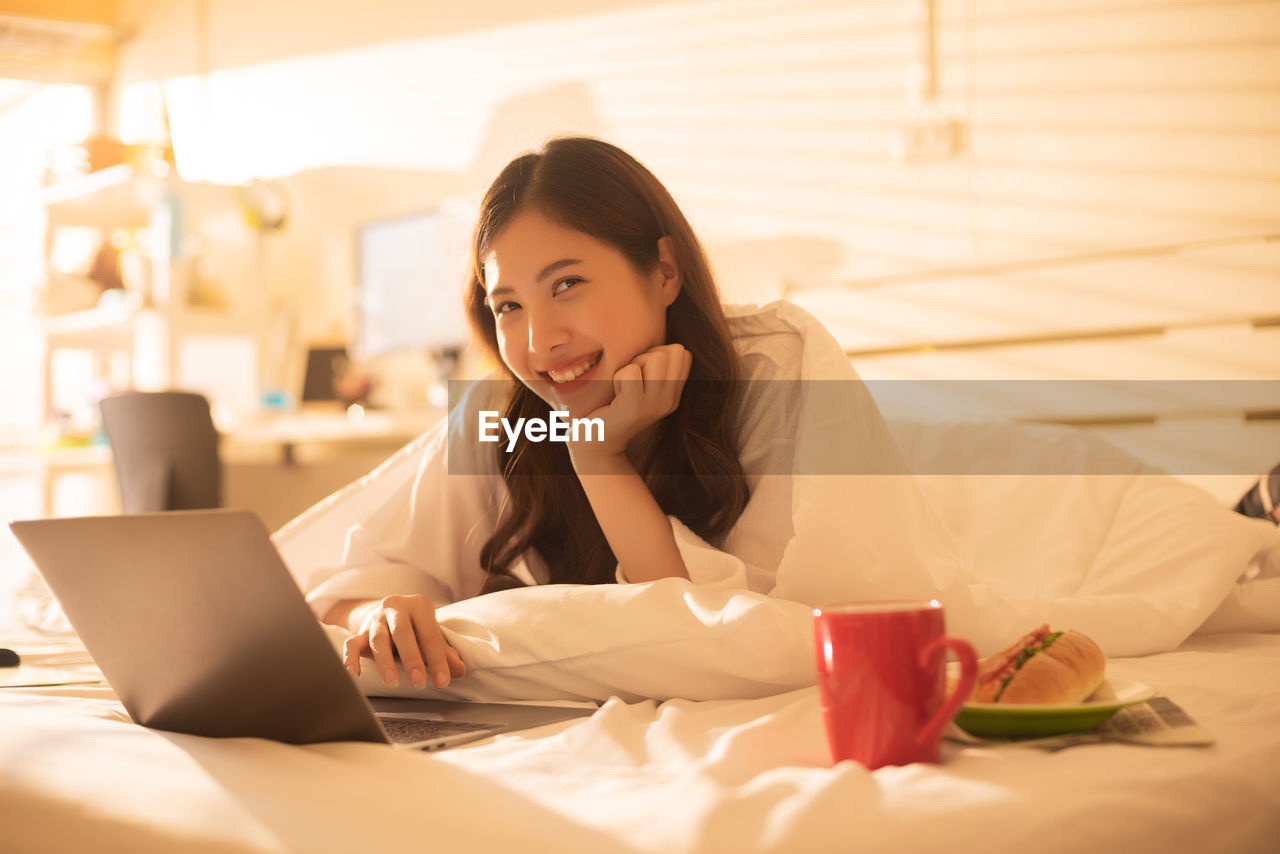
[{"x": 881, "y": 680}]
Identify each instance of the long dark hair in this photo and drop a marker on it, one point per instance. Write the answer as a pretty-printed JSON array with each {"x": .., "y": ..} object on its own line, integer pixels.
[{"x": 692, "y": 469}]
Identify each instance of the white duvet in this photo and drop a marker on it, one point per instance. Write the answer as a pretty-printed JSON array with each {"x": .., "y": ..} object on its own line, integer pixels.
[
  {"x": 680, "y": 777},
  {"x": 1137, "y": 559}
]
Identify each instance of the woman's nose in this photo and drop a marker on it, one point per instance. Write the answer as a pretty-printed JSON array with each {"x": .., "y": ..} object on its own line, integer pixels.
[{"x": 546, "y": 332}]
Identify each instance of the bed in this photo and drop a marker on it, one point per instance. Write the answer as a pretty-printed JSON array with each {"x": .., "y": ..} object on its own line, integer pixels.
[
  {"x": 708, "y": 735},
  {"x": 678, "y": 776}
]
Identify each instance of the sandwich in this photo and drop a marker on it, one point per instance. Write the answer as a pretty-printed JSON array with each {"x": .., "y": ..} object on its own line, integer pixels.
[{"x": 1041, "y": 667}]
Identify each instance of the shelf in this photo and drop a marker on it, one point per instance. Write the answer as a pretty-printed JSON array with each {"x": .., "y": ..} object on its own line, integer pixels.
[
  {"x": 151, "y": 347},
  {"x": 122, "y": 197},
  {"x": 90, "y": 321},
  {"x": 110, "y": 198},
  {"x": 98, "y": 327}
]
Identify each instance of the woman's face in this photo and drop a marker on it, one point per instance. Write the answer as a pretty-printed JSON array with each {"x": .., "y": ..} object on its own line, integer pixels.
[{"x": 570, "y": 310}]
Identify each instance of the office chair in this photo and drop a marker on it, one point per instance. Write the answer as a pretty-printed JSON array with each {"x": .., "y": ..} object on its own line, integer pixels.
[{"x": 165, "y": 448}]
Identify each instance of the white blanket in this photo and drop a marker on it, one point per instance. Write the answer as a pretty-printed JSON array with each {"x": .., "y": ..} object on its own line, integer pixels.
[
  {"x": 1136, "y": 559},
  {"x": 681, "y": 777}
]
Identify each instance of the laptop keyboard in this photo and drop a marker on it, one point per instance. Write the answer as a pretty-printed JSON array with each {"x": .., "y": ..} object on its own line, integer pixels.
[{"x": 408, "y": 730}]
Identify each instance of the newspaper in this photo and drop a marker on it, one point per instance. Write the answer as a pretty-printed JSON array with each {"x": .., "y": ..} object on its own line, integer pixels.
[{"x": 1159, "y": 722}]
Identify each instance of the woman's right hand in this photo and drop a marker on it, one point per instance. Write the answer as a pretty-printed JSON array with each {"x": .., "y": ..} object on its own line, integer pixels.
[
  {"x": 405, "y": 625},
  {"x": 645, "y": 390}
]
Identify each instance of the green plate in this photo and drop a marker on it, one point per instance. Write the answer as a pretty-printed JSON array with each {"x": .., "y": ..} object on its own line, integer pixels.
[{"x": 1009, "y": 720}]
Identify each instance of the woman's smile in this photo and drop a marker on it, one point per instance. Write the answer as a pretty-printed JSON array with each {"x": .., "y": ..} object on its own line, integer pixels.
[
  {"x": 577, "y": 369},
  {"x": 571, "y": 385}
]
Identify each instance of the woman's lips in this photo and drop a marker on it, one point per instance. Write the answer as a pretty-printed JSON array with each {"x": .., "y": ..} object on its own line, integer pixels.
[{"x": 561, "y": 389}]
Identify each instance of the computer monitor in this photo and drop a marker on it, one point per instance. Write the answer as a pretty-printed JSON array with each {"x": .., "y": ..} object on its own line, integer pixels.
[
  {"x": 410, "y": 273},
  {"x": 323, "y": 366}
]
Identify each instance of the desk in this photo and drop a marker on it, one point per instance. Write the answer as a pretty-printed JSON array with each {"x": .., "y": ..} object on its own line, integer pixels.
[
  {"x": 144, "y": 348},
  {"x": 345, "y": 449},
  {"x": 47, "y": 465},
  {"x": 104, "y": 332},
  {"x": 332, "y": 429}
]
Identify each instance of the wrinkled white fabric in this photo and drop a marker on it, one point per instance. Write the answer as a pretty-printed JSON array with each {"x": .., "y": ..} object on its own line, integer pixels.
[
  {"x": 681, "y": 777},
  {"x": 1138, "y": 560}
]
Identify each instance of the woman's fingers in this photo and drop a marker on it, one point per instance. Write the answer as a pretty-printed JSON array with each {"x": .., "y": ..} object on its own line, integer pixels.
[
  {"x": 668, "y": 362},
  {"x": 628, "y": 379},
  {"x": 665, "y": 370},
  {"x": 433, "y": 646},
  {"x": 683, "y": 365},
  {"x": 662, "y": 364},
  {"x": 456, "y": 665},
  {"x": 653, "y": 366},
  {"x": 406, "y": 642},
  {"x": 648, "y": 388},
  {"x": 672, "y": 382},
  {"x": 352, "y": 648},
  {"x": 380, "y": 644},
  {"x": 404, "y": 626}
]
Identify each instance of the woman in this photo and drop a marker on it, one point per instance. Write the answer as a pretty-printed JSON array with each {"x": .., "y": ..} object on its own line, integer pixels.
[{"x": 590, "y": 289}]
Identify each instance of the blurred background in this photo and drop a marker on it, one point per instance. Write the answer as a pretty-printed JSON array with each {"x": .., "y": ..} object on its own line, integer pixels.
[{"x": 268, "y": 202}]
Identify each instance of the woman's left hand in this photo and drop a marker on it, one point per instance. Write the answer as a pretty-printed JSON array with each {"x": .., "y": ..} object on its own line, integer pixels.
[{"x": 645, "y": 391}]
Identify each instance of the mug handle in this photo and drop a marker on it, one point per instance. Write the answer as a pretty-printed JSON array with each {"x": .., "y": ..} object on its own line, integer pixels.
[{"x": 968, "y": 675}]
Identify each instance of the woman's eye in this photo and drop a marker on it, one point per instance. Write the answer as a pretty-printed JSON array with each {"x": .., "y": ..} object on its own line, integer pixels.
[
  {"x": 503, "y": 307},
  {"x": 565, "y": 283}
]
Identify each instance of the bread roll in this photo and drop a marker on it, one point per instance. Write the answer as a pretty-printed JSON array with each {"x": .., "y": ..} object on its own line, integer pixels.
[{"x": 1068, "y": 671}]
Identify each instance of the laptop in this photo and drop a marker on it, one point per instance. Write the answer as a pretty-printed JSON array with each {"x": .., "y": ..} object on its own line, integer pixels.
[{"x": 199, "y": 627}]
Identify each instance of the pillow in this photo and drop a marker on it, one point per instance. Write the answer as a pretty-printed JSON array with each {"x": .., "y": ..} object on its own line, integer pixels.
[
  {"x": 659, "y": 640},
  {"x": 1136, "y": 558},
  {"x": 1253, "y": 605}
]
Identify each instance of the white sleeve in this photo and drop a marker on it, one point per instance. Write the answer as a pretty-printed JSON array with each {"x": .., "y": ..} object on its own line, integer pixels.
[
  {"x": 707, "y": 566},
  {"x": 749, "y": 556},
  {"x": 427, "y": 536}
]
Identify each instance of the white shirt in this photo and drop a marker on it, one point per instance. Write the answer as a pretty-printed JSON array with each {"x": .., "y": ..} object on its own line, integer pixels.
[{"x": 426, "y": 539}]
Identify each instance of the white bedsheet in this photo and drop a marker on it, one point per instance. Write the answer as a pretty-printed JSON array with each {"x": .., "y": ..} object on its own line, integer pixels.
[{"x": 680, "y": 776}]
